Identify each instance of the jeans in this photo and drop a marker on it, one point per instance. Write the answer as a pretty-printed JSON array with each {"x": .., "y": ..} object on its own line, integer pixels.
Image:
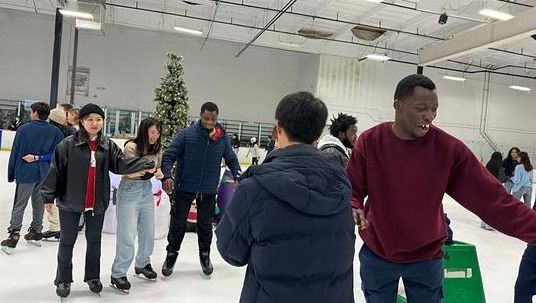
[
  {"x": 508, "y": 185},
  {"x": 135, "y": 216},
  {"x": 423, "y": 280},
  {"x": 68, "y": 234},
  {"x": 526, "y": 193}
]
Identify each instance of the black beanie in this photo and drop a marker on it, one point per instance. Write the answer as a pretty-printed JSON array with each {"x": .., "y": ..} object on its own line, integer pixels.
[{"x": 90, "y": 108}]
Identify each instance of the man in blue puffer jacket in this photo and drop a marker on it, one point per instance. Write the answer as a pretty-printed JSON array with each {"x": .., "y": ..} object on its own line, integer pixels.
[
  {"x": 290, "y": 219},
  {"x": 198, "y": 151}
]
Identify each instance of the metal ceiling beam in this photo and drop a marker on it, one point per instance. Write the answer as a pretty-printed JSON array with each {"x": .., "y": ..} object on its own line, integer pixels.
[
  {"x": 494, "y": 34},
  {"x": 466, "y": 72},
  {"x": 137, "y": 8},
  {"x": 516, "y": 3},
  {"x": 274, "y": 19},
  {"x": 335, "y": 20},
  {"x": 454, "y": 16},
  {"x": 432, "y": 37},
  {"x": 161, "y": 12}
]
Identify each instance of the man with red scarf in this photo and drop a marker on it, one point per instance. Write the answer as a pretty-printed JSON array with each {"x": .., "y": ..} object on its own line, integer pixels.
[{"x": 197, "y": 151}]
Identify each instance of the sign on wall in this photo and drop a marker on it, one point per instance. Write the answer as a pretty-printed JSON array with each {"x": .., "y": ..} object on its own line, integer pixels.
[{"x": 81, "y": 81}]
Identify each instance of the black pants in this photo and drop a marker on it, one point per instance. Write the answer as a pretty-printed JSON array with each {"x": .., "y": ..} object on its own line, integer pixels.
[
  {"x": 179, "y": 213},
  {"x": 68, "y": 234},
  {"x": 255, "y": 161}
]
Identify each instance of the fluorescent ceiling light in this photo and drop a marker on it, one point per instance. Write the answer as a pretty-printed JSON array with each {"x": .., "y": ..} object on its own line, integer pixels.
[
  {"x": 188, "y": 31},
  {"x": 84, "y": 24},
  {"x": 377, "y": 57},
  {"x": 76, "y": 14},
  {"x": 375, "y": 1},
  {"x": 290, "y": 44},
  {"x": 521, "y": 88},
  {"x": 454, "y": 78},
  {"x": 495, "y": 14}
]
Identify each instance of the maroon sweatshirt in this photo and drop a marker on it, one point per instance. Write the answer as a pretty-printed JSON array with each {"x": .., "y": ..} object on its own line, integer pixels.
[{"x": 404, "y": 182}]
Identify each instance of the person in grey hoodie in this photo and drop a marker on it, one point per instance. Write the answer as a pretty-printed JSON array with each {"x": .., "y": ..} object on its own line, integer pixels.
[
  {"x": 341, "y": 137},
  {"x": 290, "y": 215}
]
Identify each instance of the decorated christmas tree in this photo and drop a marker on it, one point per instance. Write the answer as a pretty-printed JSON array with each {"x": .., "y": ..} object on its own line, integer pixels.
[{"x": 172, "y": 98}]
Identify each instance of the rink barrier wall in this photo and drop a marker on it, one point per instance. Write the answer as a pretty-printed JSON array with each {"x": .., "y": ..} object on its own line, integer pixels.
[{"x": 7, "y": 137}]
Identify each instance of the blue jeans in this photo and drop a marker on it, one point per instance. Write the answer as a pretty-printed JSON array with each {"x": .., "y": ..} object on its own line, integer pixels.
[
  {"x": 135, "y": 216},
  {"x": 526, "y": 279},
  {"x": 508, "y": 185},
  {"x": 526, "y": 193},
  {"x": 423, "y": 280}
]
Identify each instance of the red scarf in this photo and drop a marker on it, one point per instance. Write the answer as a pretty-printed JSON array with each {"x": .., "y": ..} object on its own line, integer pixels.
[{"x": 90, "y": 189}]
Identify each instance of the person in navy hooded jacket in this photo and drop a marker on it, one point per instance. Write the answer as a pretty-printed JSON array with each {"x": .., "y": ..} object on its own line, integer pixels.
[
  {"x": 290, "y": 220},
  {"x": 198, "y": 151}
]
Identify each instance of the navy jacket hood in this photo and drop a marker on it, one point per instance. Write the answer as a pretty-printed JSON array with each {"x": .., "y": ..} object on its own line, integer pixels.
[{"x": 304, "y": 182}]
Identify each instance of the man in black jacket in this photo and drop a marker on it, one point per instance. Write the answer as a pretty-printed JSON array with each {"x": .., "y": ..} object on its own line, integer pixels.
[
  {"x": 292, "y": 214},
  {"x": 341, "y": 137}
]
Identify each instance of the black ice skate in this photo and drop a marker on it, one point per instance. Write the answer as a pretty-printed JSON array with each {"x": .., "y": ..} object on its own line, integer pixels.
[
  {"x": 63, "y": 290},
  {"x": 95, "y": 285},
  {"x": 33, "y": 237},
  {"x": 167, "y": 267},
  {"x": 121, "y": 284},
  {"x": 9, "y": 244},
  {"x": 146, "y": 271},
  {"x": 206, "y": 265},
  {"x": 51, "y": 235}
]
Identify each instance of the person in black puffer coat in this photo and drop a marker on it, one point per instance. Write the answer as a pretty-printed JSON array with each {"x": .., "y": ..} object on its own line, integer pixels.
[{"x": 290, "y": 220}]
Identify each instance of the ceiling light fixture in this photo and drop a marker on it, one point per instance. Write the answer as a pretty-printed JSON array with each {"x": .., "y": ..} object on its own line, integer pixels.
[
  {"x": 443, "y": 18},
  {"x": 376, "y": 57},
  {"x": 521, "y": 88},
  {"x": 375, "y": 1},
  {"x": 188, "y": 31},
  {"x": 76, "y": 14},
  {"x": 460, "y": 79},
  {"x": 495, "y": 14}
]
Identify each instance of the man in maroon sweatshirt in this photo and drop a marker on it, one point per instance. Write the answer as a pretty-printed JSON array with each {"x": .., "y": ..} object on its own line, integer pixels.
[{"x": 404, "y": 169}]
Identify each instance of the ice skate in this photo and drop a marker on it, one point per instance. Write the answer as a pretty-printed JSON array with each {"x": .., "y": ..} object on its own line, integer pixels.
[
  {"x": 167, "y": 267},
  {"x": 33, "y": 237},
  {"x": 146, "y": 272},
  {"x": 9, "y": 244},
  {"x": 52, "y": 236},
  {"x": 206, "y": 265},
  {"x": 63, "y": 290},
  {"x": 95, "y": 285},
  {"x": 121, "y": 284}
]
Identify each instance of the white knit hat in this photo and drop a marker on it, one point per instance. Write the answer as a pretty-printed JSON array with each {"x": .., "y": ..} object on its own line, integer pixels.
[{"x": 58, "y": 115}]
